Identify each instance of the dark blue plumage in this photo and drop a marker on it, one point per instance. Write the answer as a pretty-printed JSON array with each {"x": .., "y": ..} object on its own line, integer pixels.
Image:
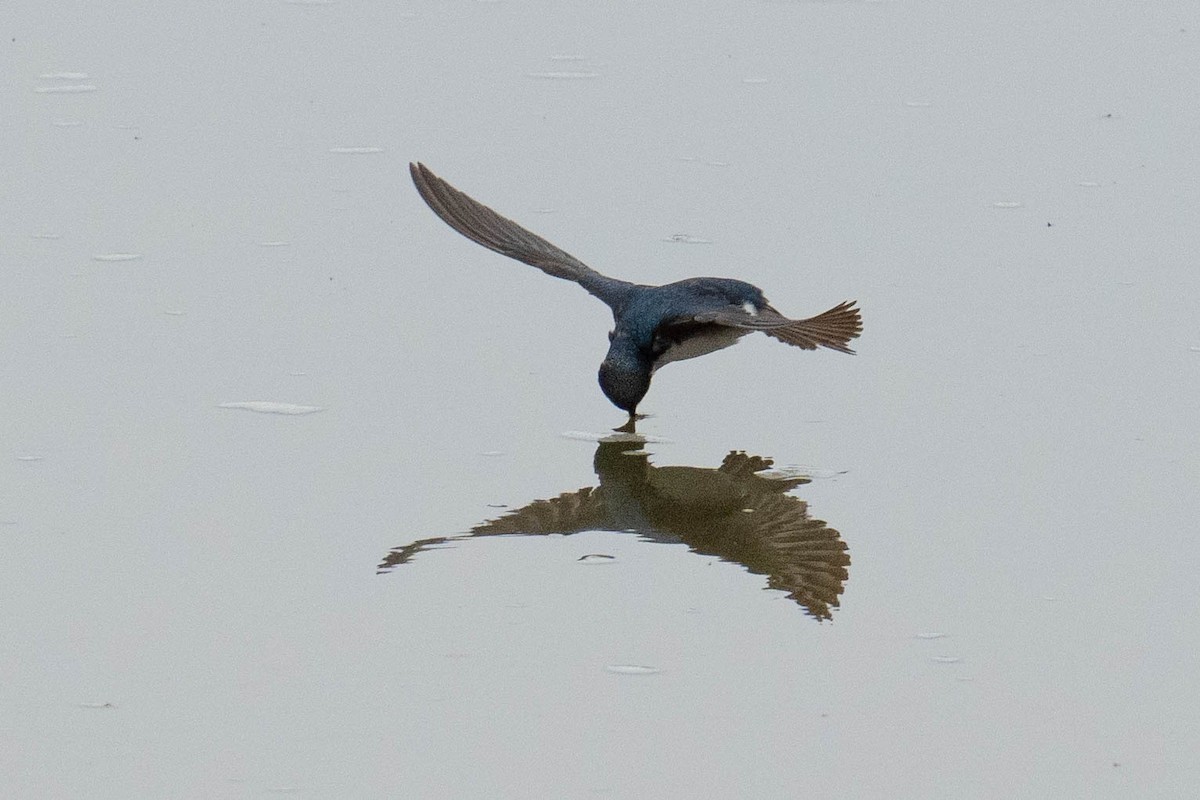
[{"x": 652, "y": 325}]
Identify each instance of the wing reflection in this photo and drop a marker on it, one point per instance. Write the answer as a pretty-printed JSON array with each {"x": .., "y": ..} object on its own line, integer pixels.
[{"x": 730, "y": 512}]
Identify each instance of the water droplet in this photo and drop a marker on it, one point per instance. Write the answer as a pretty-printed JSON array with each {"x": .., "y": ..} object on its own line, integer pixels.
[
  {"x": 632, "y": 669},
  {"x": 267, "y": 407},
  {"x": 115, "y": 257},
  {"x": 355, "y": 151},
  {"x": 69, "y": 88},
  {"x": 1007, "y": 204}
]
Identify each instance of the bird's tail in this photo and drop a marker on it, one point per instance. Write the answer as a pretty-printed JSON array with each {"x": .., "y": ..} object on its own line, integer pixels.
[{"x": 833, "y": 329}]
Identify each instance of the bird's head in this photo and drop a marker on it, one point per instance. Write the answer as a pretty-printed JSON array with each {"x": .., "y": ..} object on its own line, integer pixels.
[{"x": 625, "y": 373}]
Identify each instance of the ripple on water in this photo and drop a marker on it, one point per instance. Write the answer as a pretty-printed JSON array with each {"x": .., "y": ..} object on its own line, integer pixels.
[
  {"x": 66, "y": 88},
  {"x": 116, "y": 257},
  {"x": 613, "y": 436},
  {"x": 268, "y": 407},
  {"x": 632, "y": 669},
  {"x": 563, "y": 75},
  {"x": 683, "y": 238},
  {"x": 789, "y": 472}
]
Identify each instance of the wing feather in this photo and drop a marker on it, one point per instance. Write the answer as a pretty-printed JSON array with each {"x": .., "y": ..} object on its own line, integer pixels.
[{"x": 484, "y": 226}]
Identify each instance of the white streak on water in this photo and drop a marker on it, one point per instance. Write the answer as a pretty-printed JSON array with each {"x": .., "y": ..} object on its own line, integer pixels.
[
  {"x": 632, "y": 669},
  {"x": 562, "y": 75},
  {"x": 70, "y": 88},
  {"x": 115, "y": 257},
  {"x": 613, "y": 436},
  {"x": 268, "y": 407}
]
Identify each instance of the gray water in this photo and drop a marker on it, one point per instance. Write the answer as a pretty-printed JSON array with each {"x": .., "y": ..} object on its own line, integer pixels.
[{"x": 208, "y": 204}]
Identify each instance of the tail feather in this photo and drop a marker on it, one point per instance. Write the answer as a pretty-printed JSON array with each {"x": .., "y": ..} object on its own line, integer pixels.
[{"x": 833, "y": 329}]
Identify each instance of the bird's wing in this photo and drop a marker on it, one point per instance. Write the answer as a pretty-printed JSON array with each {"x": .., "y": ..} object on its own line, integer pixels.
[
  {"x": 571, "y": 512},
  {"x": 484, "y": 226},
  {"x": 833, "y": 329},
  {"x": 800, "y": 555}
]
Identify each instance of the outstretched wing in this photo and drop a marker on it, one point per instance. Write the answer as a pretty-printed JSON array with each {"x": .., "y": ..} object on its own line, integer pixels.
[
  {"x": 833, "y": 329},
  {"x": 484, "y": 226}
]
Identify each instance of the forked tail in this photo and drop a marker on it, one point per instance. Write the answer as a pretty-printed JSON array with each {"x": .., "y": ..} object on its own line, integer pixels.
[{"x": 833, "y": 329}]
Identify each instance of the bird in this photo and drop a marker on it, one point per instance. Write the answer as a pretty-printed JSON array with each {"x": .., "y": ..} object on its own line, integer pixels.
[{"x": 652, "y": 325}]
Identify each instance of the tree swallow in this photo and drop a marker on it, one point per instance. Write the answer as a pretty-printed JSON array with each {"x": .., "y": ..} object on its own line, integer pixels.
[{"x": 652, "y": 325}]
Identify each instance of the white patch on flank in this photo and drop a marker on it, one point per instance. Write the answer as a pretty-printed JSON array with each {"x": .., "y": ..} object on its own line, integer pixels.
[
  {"x": 749, "y": 308},
  {"x": 701, "y": 344}
]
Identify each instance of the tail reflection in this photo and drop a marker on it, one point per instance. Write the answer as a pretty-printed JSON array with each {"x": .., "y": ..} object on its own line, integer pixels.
[{"x": 729, "y": 512}]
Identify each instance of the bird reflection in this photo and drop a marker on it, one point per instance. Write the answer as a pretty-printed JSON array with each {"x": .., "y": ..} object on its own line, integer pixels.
[{"x": 730, "y": 512}]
